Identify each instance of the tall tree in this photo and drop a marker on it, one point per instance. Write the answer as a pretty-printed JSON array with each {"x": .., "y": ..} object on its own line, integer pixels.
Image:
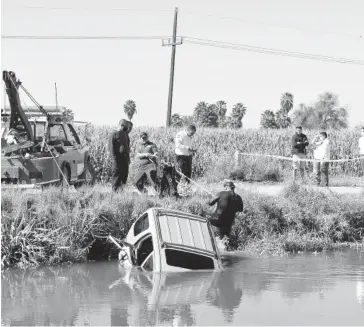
[
  {"x": 237, "y": 114},
  {"x": 268, "y": 119},
  {"x": 221, "y": 109},
  {"x": 176, "y": 120},
  {"x": 130, "y": 109},
  {"x": 286, "y": 103},
  {"x": 324, "y": 114},
  {"x": 205, "y": 115},
  {"x": 282, "y": 118}
]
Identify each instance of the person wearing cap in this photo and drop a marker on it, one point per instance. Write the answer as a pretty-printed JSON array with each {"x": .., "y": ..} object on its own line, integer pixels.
[
  {"x": 228, "y": 204},
  {"x": 119, "y": 149},
  {"x": 147, "y": 161},
  {"x": 184, "y": 151},
  {"x": 299, "y": 149}
]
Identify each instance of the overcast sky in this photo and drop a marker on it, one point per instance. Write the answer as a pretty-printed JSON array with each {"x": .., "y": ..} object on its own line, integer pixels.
[{"x": 96, "y": 77}]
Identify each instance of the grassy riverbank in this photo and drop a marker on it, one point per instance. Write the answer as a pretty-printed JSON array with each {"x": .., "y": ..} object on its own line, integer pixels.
[{"x": 54, "y": 227}]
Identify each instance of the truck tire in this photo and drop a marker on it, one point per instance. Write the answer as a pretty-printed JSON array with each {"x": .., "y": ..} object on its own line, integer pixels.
[{"x": 88, "y": 176}]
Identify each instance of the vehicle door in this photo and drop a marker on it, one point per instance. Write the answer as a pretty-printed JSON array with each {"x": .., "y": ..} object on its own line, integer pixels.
[
  {"x": 79, "y": 149},
  {"x": 59, "y": 136}
]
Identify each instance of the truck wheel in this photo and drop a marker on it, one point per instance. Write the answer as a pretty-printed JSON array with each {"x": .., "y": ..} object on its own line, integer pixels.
[
  {"x": 88, "y": 176},
  {"x": 67, "y": 176}
]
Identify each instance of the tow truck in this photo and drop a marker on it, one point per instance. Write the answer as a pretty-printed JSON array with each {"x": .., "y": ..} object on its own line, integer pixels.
[{"x": 40, "y": 145}]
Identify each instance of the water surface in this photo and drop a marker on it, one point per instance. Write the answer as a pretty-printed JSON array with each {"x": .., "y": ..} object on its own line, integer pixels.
[{"x": 307, "y": 289}]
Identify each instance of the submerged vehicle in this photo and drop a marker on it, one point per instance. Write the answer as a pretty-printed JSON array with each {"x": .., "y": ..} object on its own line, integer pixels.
[
  {"x": 40, "y": 145},
  {"x": 170, "y": 240}
]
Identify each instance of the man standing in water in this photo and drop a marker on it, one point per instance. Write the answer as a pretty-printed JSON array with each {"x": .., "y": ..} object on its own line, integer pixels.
[
  {"x": 299, "y": 144},
  {"x": 119, "y": 148},
  {"x": 228, "y": 204}
]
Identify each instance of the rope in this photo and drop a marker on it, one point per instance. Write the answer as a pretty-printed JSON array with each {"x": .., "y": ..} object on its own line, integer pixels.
[
  {"x": 291, "y": 159},
  {"x": 197, "y": 184},
  {"x": 59, "y": 168}
]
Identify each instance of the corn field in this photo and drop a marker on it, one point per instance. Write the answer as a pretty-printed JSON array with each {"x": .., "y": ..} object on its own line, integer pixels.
[{"x": 216, "y": 148}]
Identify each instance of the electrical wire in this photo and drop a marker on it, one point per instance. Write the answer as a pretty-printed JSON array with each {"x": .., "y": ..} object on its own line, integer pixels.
[
  {"x": 243, "y": 47},
  {"x": 300, "y": 29},
  {"x": 80, "y": 37},
  {"x": 87, "y": 9}
]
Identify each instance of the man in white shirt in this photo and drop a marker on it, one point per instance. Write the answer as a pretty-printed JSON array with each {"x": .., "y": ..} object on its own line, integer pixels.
[
  {"x": 322, "y": 153},
  {"x": 184, "y": 151},
  {"x": 361, "y": 150}
]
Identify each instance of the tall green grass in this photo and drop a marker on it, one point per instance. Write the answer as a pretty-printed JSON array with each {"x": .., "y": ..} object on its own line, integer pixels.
[
  {"x": 55, "y": 227},
  {"x": 216, "y": 148}
]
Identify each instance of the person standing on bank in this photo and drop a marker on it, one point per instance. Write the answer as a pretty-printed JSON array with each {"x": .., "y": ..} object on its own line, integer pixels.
[
  {"x": 228, "y": 204},
  {"x": 322, "y": 153},
  {"x": 184, "y": 151},
  {"x": 119, "y": 149},
  {"x": 299, "y": 145},
  {"x": 148, "y": 159}
]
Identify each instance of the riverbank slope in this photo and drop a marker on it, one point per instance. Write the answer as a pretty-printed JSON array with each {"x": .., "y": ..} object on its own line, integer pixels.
[{"x": 56, "y": 227}]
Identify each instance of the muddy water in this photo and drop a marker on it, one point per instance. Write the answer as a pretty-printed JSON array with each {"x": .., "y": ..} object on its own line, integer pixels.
[{"x": 322, "y": 289}]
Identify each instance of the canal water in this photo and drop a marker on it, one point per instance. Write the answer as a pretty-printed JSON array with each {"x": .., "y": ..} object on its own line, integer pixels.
[{"x": 305, "y": 289}]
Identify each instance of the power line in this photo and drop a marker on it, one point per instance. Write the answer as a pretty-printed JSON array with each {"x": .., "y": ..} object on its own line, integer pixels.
[
  {"x": 87, "y": 9},
  {"x": 80, "y": 37},
  {"x": 198, "y": 41},
  {"x": 297, "y": 28},
  {"x": 301, "y": 29},
  {"x": 243, "y": 47}
]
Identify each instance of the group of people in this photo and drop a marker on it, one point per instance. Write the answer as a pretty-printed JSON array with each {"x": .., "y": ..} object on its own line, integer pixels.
[
  {"x": 148, "y": 158},
  {"x": 321, "y": 153},
  {"x": 228, "y": 203}
]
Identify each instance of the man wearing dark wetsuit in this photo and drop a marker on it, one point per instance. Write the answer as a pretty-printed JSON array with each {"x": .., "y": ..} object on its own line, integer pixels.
[
  {"x": 228, "y": 204},
  {"x": 119, "y": 148}
]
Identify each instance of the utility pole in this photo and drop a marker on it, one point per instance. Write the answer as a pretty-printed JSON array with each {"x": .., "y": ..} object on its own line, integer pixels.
[{"x": 174, "y": 42}]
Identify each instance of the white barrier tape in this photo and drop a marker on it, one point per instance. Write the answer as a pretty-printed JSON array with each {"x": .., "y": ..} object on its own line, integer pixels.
[{"x": 298, "y": 159}]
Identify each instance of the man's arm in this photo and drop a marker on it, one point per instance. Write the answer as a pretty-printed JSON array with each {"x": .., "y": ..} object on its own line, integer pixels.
[
  {"x": 306, "y": 141},
  {"x": 123, "y": 143},
  {"x": 215, "y": 199},
  {"x": 240, "y": 206},
  {"x": 111, "y": 145}
]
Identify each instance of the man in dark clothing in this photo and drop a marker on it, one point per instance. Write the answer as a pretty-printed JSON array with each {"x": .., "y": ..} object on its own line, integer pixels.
[
  {"x": 119, "y": 148},
  {"x": 147, "y": 155},
  {"x": 299, "y": 145},
  {"x": 228, "y": 204}
]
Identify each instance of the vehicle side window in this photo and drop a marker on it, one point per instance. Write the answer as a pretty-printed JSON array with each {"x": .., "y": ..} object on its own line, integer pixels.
[
  {"x": 141, "y": 225},
  {"x": 188, "y": 260},
  {"x": 148, "y": 264},
  {"x": 73, "y": 135},
  {"x": 145, "y": 248},
  {"x": 57, "y": 133}
]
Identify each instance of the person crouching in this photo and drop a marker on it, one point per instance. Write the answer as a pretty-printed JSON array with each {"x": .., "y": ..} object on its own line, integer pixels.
[{"x": 147, "y": 157}]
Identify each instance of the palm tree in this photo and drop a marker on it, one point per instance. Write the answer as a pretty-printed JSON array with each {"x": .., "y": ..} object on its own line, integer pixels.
[
  {"x": 221, "y": 109},
  {"x": 286, "y": 103},
  {"x": 130, "y": 109},
  {"x": 268, "y": 119}
]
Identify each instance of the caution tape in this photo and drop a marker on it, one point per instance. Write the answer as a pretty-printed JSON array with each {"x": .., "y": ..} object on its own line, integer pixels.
[{"x": 299, "y": 159}]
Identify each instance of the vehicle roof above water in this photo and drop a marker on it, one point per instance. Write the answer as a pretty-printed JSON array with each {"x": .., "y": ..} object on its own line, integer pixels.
[{"x": 182, "y": 229}]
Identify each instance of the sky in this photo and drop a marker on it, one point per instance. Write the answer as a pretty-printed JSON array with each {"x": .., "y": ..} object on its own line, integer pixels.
[{"x": 95, "y": 77}]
